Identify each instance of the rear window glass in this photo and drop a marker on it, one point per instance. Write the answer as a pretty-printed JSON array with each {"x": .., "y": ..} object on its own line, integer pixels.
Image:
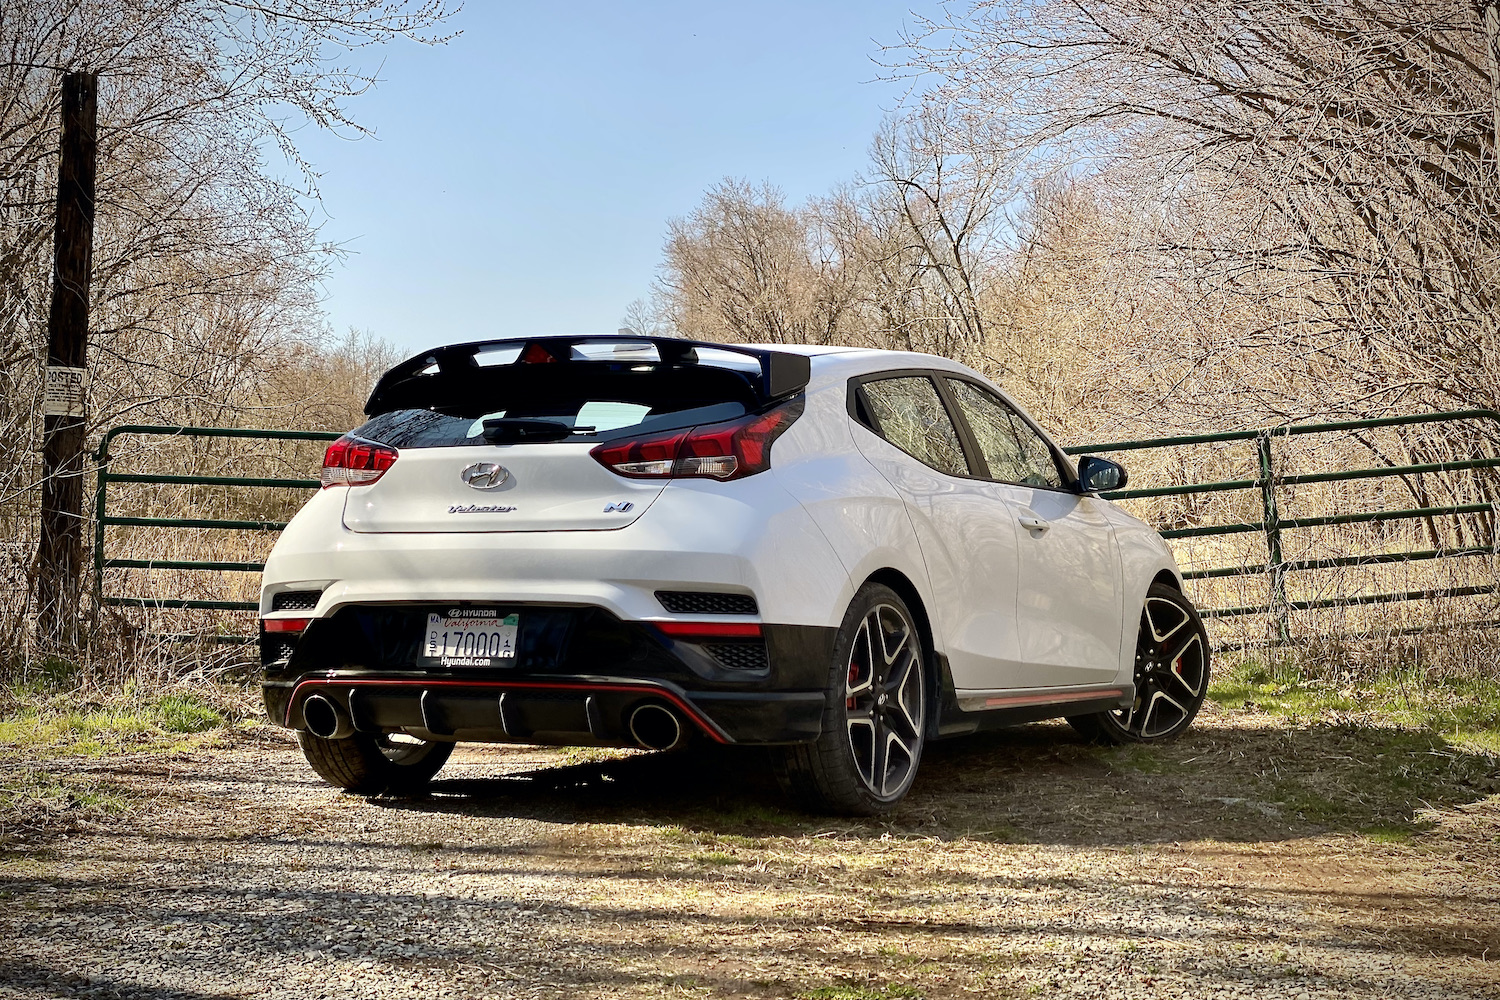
[
  {"x": 588, "y": 420},
  {"x": 552, "y": 390}
]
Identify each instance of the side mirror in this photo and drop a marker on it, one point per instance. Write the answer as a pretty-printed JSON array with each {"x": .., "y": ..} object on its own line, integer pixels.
[{"x": 1100, "y": 475}]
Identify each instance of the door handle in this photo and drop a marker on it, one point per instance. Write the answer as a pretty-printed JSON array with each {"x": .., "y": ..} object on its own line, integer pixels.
[{"x": 1033, "y": 523}]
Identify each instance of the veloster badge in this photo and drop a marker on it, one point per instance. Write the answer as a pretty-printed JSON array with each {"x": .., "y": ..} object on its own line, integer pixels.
[{"x": 485, "y": 476}]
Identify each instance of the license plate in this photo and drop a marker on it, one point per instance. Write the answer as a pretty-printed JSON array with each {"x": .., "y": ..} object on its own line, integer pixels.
[{"x": 470, "y": 639}]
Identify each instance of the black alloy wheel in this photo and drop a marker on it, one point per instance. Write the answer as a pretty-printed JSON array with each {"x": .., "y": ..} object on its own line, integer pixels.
[
  {"x": 874, "y": 723},
  {"x": 1171, "y": 675}
]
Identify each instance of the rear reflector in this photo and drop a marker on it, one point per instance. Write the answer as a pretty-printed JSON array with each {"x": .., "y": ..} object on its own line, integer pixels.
[
  {"x": 710, "y": 630},
  {"x": 352, "y": 461},
  {"x": 285, "y": 624},
  {"x": 730, "y": 450}
]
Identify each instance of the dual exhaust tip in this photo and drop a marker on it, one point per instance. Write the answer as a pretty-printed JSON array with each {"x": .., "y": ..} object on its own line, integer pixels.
[
  {"x": 653, "y": 726},
  {"x": 325, "y": 719}
]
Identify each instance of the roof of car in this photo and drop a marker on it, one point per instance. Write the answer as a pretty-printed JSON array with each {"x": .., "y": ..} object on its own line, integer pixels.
[{"x": 832, "y": 362}]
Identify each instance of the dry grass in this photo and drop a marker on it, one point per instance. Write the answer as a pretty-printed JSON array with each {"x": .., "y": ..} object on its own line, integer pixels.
[{"x": 1258, "y": 856}]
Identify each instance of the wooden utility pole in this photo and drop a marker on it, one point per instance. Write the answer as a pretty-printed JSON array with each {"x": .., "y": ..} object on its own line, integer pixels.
[
  {"x": 60, "y": 554},
  {"x": 1492, "y": 44}
]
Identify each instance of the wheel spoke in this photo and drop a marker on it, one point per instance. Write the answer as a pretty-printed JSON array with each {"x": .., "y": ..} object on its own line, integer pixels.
[
  {"x": 909, "y": 700},
  {"x": 1175, "y": 666},
  {"x": 862, "y": 741},
  {"x": 904, "y": 759},
  {"x": 892, "y": 654},
  {"x": 866, "y": 680},
  {"x": 1157, "y": 633},
  {"x": 1145, "y": 729},
  {"x": 1178, "y": 652},
  {"x": 1157, "y": 698},
  {"x": 880, "y": 769}
]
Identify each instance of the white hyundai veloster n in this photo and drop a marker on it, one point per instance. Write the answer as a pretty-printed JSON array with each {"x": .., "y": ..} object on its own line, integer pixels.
[{"x": 630, "y": 541}]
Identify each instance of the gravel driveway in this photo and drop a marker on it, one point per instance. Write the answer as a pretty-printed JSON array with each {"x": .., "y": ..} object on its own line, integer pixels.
[{"x": 1024, "y": 864}]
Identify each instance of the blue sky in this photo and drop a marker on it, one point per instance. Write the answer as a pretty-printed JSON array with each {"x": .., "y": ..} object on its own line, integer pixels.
[{"x": 524, "y": 173}]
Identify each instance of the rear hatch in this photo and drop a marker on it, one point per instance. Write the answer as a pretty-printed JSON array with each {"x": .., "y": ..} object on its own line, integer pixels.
[{"x": 497, "y": 436}]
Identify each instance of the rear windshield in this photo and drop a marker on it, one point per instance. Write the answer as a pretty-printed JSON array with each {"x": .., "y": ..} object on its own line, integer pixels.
[{"x": 595, "y": 402}]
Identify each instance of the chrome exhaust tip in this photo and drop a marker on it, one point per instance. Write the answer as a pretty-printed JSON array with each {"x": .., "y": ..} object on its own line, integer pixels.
[
  {"x": 324, "y": 719},
  {"x": 655, "y": 727}
]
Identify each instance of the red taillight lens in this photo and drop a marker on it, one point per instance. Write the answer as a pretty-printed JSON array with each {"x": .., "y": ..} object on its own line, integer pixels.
[
  {"x": 352, "y": 461},
  {"x": 643, "y": 458},
  {"x": 731, "y": 450},
  {"x": 285, "y": 624}
]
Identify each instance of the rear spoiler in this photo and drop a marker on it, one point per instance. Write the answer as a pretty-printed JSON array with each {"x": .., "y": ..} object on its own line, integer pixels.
[{"x": 780, "y": 373}]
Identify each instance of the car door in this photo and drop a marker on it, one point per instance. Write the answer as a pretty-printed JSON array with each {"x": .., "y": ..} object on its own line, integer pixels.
[
  {"x": 1068, "y": 599},
  {"x": 968, "y": 541}
]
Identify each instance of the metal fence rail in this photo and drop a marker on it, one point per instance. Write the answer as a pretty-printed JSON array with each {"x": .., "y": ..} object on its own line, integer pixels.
[
  {"x": 103, "y": 519},
  {"x": 1272, "y": 525}
]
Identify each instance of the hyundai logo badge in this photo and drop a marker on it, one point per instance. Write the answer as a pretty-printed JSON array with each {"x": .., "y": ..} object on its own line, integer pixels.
[{"x": 485, "y": 476}]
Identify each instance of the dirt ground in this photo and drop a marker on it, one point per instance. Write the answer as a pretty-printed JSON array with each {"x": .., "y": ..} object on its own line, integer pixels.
[{"x": 1253, "y": 858}]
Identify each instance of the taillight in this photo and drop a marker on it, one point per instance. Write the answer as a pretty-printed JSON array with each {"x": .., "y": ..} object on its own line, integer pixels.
[
  {"x": 352, "y": 461},
  {"x": 731, "y": 450}
]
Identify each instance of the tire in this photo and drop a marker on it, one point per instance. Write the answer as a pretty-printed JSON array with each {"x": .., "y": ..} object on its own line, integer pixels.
[
  {"x": 1171, "y": 675},
  {"x": 874, "y": 722},
  {"x": 368, "y": 764}
]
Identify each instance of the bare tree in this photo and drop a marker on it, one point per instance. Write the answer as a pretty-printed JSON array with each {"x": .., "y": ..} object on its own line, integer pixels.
[
  {"x": 944, "y": 190},
  {"x": 743, "y": 266},
  {"x": 1347, "y": 149},
  {"x": 205, "y": 258}
]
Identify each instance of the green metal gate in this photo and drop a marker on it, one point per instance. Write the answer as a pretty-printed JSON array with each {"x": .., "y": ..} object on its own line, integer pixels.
[
  {"x": 103, "y": 519},
  {"x": 1270, "y": 485}
]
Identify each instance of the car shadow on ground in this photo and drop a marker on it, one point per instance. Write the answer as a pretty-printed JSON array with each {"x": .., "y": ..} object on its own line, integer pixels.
[{"x": 1234, "y": 778}]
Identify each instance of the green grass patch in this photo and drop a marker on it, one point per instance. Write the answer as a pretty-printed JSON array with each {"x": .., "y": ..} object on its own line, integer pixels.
[
  {"x": 1136, "y": 757},
  {"x": 1386, "y": 835},
  {"x": 715, "y": 858},
  {"x": 56, "y": 725},
  {"x": 1464, "y": 710},
  {"x": 31, "y": 790}
]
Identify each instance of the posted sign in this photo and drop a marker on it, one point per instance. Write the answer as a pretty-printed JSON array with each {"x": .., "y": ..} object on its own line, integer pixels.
[{"x": 63, "y": 392}]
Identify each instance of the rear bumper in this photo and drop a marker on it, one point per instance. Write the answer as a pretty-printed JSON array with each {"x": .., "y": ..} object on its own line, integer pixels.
[
  {"x": 579, "y": 675},
  {"x": 568, "y": 711}
]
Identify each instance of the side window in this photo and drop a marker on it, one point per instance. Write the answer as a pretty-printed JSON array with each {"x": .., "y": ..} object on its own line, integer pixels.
[
  {"x": 1014, "y": 451},
  {"x": 909, "y": 414}
]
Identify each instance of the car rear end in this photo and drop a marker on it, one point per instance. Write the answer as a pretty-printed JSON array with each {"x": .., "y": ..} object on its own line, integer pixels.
[{"x": 565, "y": 540}]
